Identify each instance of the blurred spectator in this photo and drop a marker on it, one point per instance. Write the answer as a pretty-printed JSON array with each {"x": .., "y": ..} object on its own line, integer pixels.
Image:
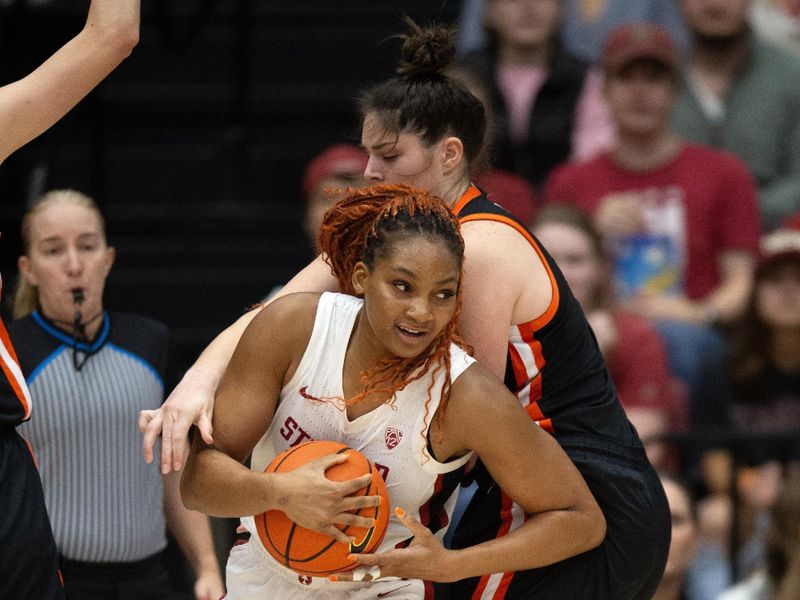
[
  {"x": 337, "y": 167},
  {"x": 763, "y": 397},
  {"x": 586, "y": 25},
  {"x": 780, "y": 578},
  {"x": 778, "y": 21},
  {"x": 742, "y": 95},
  {"x": 660, "y": 203},
  {"x": 546, "y": 105},
  {"x": 512, "y": 192},
  {"x": 683, "y": 544},
  {"x": 765, "y": 359},
  {"x": 631, "y": 347},
  {"x": 90, "y": 372}
]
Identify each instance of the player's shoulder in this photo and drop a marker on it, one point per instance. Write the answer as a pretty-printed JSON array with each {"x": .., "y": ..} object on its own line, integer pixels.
[
  {"x": 297, "y": 304},
  {"x": 478, "y": 390},
  {"x": 290, "y": 315}
]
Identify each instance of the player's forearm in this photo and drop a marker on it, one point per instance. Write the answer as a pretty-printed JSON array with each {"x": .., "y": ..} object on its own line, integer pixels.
[
  {"x": 544, "y": 539},
  {"x": 217, "y": 485},
  {"x": 191, "y": 529},
  {"x": 30, "y": 106}
]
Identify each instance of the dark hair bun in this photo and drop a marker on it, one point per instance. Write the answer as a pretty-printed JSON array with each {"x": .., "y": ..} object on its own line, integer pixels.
[{"x": 426, "y": 51}]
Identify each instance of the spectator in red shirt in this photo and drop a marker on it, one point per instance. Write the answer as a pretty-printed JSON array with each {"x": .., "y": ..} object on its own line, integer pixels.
[
  {"x": 634, "y": 352},
  {"x": 681, "y": 219}
]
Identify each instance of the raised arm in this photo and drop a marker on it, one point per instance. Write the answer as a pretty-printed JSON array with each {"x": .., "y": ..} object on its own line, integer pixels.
[
  {"x": 192, "y": 400},
  {"x": 28, "y": 107}
]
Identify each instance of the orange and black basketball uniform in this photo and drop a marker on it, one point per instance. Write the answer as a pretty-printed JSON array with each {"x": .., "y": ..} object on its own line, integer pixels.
[
  {"x": 28, "y": 557},
  {"x": 557, "y": 371}
]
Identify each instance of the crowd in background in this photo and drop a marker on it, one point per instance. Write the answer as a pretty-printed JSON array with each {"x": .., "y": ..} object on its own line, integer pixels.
[
  {"x": 662, "y": 143},
  {"x": 654, "y": 149}
]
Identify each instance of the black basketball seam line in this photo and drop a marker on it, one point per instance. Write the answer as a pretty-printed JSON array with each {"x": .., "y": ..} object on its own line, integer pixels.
[
  {"x": 286, "y": 558},
  {"x": 269, "y": 537}
]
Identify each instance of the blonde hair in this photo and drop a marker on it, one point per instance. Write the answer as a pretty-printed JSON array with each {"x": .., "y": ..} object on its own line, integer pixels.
[{"x": 26, "y": 295}]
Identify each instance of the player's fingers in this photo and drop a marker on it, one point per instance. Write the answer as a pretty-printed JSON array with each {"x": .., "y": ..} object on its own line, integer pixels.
[
  {"x": 205, "y": 428},
  {"x": 347, "y": 518},
  {"x": 366, "y": 573},
  {"x": 353, "y": 485},
  {"x": 166, "y": 445},
  {"x": 180, "y": 442},
  {"x": 338, "y": 534},
  {"x": 358, "y": 502},
  {"x": 418, "y": 529},
  {"x": 150, "y": 425},
  {"x": 327, "y": 461}
]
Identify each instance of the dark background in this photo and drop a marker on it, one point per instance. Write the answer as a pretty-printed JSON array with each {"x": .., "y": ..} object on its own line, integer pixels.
[{"x": 194, "y": 147}]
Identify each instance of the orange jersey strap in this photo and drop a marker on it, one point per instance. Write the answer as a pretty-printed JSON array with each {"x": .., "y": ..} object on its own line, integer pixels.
[{"x": 11, "y": 369}]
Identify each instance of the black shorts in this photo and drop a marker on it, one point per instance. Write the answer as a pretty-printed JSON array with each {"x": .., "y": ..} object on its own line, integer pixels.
[
  {"x": 28, "y": 558},
  {"x": 144, "y": 579},
  {"x": 628, "y": 565}
]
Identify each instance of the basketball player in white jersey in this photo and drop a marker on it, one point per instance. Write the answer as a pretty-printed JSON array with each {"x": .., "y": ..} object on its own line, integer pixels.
[{"x": 381, "y": 371}]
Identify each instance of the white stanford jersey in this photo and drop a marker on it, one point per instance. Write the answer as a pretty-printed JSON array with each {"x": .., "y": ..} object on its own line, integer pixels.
[{"x": 394, "y": 437}]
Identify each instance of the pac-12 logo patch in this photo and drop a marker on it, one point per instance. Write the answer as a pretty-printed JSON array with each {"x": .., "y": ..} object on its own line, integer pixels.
[{"x": 392, "y": 437}]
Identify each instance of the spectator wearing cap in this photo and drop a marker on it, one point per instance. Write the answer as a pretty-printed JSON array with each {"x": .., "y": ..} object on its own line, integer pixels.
[
  {"x": 680, "y": 219},
  {"x": 741, "y": 94},
  {"x": 337, "y": 167},
  {"x": 760, "y": 395}
]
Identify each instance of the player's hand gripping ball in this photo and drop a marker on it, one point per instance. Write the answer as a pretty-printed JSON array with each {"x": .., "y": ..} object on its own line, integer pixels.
[{"x": 313, "y": 553}]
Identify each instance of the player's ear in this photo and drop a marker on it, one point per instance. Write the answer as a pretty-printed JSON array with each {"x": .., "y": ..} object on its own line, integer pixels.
[
  {"x": 359, "y": 278},
  {"x": 452, "y": 154}
]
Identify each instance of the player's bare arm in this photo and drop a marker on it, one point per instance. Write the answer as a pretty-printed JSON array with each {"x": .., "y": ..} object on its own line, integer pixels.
[
  {"x": 216, "y": 482},
  {"x": 497, "y": 293},
  {"x": 28, "y": 107},
  {"x": 565, "y": 520}
]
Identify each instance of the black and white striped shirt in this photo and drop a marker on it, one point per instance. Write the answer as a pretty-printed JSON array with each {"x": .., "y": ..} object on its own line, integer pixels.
[{"x": 105, "y": 503}]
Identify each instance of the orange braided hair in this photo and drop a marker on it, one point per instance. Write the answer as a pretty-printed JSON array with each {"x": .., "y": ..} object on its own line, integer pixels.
[{"x": 363, "y": 227}]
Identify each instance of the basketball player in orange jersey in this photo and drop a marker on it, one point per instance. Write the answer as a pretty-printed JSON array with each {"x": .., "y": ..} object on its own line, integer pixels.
[
  {"x": 381, "y": 373},
  {"x": 422, "y": 129},
  {"x": 28, "y": 107}
]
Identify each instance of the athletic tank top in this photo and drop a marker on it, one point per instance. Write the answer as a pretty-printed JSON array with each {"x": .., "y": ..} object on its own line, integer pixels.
[
  {"x": 394, "y": 437},
  {"x": 15, "y": 399},
  {"x": 554, "y": 365}
]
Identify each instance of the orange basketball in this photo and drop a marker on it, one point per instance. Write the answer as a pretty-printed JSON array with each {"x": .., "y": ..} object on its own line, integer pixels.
[{"x": 312, "y": 553}]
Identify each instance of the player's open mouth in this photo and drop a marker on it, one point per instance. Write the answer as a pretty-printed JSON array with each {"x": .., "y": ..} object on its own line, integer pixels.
[{"x": 411, "y": 332}]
